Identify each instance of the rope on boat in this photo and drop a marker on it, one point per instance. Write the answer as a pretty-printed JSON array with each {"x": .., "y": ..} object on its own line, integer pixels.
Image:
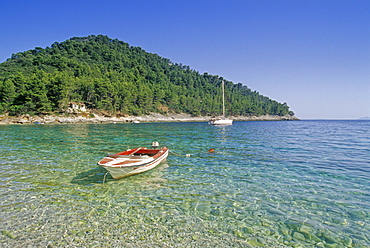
[
  {"x": 187, "y": 155},
  {"x": 105, "y": 176}
]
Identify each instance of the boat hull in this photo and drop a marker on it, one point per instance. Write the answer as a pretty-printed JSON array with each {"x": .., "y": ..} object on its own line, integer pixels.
[
  {"x": 120, "y": 165},
  {"x": 221, "y": 122}
]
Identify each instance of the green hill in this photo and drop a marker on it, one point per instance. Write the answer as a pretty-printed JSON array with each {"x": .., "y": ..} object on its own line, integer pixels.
[{"x": 110, "y": 75}]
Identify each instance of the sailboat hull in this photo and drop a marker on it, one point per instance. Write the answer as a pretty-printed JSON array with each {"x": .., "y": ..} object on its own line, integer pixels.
[{"x": 221, "y": 122}]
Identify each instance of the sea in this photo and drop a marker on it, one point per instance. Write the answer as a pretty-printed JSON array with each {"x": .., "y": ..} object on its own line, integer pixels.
[{"x": 267, "y": 184}]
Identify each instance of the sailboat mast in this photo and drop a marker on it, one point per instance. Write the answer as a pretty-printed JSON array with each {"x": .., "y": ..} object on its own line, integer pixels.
[
  {"x": 222, "y": 120},
  {"x": 223, "y": 99}
]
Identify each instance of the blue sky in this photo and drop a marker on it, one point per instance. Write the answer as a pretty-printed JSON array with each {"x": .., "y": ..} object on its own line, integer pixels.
[{"x": 312, "y": 54}]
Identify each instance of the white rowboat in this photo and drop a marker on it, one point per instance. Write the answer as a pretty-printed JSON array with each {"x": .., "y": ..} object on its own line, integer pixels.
[{"x": 133, "y": 161}]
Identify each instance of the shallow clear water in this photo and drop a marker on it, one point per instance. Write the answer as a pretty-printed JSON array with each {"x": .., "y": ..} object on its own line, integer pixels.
[{"x": 272, "y": 184}]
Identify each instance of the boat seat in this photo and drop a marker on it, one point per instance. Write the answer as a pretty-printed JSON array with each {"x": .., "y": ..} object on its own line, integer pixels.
[{"x": 143, "y": 154}]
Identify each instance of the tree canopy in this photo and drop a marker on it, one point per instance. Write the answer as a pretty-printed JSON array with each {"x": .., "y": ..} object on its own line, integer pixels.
[{"x": 110, "y": 75}]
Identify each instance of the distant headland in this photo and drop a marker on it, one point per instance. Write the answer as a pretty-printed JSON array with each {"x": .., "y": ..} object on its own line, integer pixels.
[{"x": 107, "y": 75}]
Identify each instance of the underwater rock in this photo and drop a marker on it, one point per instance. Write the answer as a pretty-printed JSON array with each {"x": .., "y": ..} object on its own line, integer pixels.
[
  {"x": 347, "y": 241},
  {"x": 299, "y": 236}
]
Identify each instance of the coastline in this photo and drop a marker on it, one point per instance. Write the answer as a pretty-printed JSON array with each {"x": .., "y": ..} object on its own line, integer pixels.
[{"x": 153, "y": 117}]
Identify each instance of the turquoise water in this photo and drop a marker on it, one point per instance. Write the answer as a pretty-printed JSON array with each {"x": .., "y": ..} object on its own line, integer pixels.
[{"x": 269, "y": 184}]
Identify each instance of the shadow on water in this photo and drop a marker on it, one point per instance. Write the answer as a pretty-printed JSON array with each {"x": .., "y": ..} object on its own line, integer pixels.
[
  {"x": 99, "y": 175},
  {"x": 93, "y": 176}
]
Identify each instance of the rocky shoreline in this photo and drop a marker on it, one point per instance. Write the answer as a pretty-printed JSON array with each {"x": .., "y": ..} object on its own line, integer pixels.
[{"x": 154, "y": 117}]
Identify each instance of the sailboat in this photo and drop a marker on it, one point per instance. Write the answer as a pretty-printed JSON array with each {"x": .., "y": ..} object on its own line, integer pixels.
[{"x": 222, "y": 120}]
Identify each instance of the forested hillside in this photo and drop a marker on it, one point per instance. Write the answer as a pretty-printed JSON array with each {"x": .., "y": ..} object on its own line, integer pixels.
[{"x": 110, "y": 75}]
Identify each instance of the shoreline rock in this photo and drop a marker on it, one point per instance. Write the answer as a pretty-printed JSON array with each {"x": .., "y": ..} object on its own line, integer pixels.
[{"x": 153, "y": 117}]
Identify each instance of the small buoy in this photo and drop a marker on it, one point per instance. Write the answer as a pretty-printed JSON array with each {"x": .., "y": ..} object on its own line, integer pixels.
[{"x": 211, "y": 150}]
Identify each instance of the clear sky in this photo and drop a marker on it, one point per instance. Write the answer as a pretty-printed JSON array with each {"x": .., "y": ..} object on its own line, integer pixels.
[{"x": 312, "y": 54}]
